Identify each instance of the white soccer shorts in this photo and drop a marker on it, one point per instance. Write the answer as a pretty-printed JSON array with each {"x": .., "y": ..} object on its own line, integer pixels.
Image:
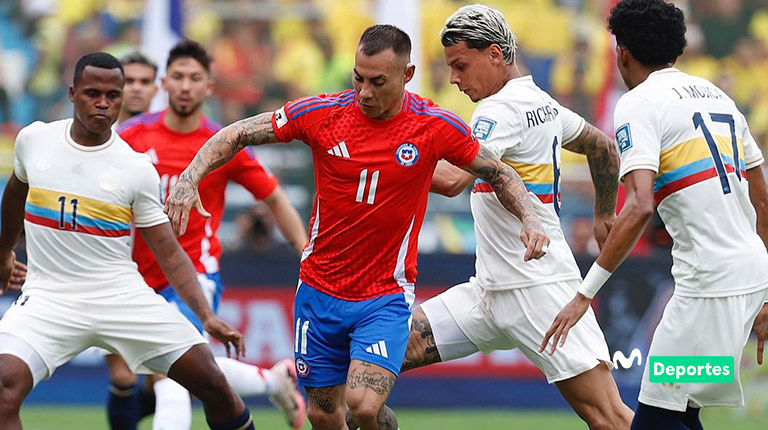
[
  {"x": 139, "y": 325},
  {"x": 466, "y": 318},
  {"x": 715, "y": 326}
]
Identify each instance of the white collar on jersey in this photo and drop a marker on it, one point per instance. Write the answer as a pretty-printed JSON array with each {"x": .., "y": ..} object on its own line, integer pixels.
[
  {"x": 72, "y": 143},
  {"x": 670, "y": 69}
]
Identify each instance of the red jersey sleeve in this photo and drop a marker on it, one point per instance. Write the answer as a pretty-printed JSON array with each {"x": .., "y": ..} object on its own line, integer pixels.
[
  {"x": 455, "y": 141},
  {"x": 301, "y": 118},
  {"x": 127, "y": 134},
  {"x": 246, "y": 170}
]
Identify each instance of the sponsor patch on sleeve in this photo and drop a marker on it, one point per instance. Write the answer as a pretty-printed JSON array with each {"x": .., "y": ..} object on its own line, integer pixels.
[
  {"x": 623, "y": 138},
  {"x": 483, "y": 128},
  {"x": 281, "y": 118}
]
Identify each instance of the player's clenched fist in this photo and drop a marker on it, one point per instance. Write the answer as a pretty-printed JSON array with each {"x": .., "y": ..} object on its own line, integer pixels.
[
  {"x": 534, "y": 238},
  {"x": 183, "y": 197},
  {"x": 226, "y": 334}
]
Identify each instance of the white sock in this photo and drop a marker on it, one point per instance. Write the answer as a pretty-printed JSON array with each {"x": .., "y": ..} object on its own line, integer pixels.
[
  {"x": 245, "y": 379},
  {"x": 173, "y": 407}
]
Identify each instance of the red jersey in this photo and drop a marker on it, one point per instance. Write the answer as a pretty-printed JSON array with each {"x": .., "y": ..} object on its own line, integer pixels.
[
  {"x": 372, "y": 178},
  {"x": 171, "y": 152}
]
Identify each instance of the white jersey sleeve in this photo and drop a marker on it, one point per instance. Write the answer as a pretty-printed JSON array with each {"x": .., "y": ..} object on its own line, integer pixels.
[
  {"x": 638, "y": 134},
  {"x": 147, "y": 207},
  {"x": 753, "y": 157},
  {"x": 573, "y": 124},
  {"x": 497, "y": 129}
]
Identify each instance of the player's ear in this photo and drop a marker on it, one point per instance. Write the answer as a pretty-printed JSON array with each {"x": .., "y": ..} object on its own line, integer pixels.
[
  {"x": 163, "y": 82},
  {"x": 72, "y": 93},
  {"x": 410, "y": 69},
  {"x": 209, "y": 87},
  {"x": 623, "y": 56},
  {"x": 154, "y": 90},
  {"x": 495, "y": 54}
]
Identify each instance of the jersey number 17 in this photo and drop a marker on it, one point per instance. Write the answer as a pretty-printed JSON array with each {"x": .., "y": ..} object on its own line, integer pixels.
[{"x": 698, "y": 122}]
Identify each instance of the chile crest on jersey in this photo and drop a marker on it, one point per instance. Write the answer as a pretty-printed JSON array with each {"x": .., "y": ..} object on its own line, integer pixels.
[{"x": 407, "y": 154}]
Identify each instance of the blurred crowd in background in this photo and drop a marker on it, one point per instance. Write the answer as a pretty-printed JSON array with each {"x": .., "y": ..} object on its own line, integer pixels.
[{"x": 267, "y": 52}]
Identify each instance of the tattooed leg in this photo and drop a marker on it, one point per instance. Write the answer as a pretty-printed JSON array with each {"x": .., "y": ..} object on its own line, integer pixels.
[
  {"x": 368, "y": 387},
  {"x": 326, "y": 407},
  {"x": 421, "y": 349}
]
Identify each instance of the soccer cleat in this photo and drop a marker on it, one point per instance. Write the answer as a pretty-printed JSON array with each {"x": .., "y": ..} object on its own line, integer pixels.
[{"x": 287, "y": 397}]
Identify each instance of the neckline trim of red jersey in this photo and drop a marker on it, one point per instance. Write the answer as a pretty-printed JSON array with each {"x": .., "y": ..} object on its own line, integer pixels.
[{"x": 203, "y": 124}]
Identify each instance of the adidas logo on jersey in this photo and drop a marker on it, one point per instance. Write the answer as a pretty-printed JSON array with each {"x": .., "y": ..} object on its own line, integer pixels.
[
  {"x": 339, "y": 150},
  {"x": 379, "y": 348}
]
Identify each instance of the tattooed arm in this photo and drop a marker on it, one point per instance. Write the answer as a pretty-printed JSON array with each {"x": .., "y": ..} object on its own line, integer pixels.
[
  {"x": 216, "y": 152},
  {"x": 603, "y": 159},
  {"x": 181, "y": 274},
  {"x": 513, "y": 195}
]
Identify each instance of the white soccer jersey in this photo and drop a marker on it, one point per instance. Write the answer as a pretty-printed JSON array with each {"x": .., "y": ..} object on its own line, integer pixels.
[
  {"x": 692, "y": 135},
  {"x": 525, "y": 127},
  {"x": 79, "y": 209}
]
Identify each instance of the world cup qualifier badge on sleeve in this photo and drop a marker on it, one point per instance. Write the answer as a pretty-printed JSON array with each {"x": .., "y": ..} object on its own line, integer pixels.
[
  {"x": 483, "y": 128},
  {"x": 623, "y": 138}
]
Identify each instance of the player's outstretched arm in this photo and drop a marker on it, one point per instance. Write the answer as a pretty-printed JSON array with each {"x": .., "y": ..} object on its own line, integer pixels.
[
  {"x": 603, "y": 159},
  {"x": 181, "y": 274},
  {"x": 513, "y": 195},
  {"x": 634, "y": 216},
  {"x": 449, "y": 180},
  {"x": 288, "y": 220},
  {"x": 12, "y": 273},
  {"x": 758, "y": 195},
  {"x": 216, "y": 152}
]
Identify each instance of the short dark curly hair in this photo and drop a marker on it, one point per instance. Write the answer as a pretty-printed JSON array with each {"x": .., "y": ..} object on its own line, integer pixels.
[
  {"x": 653, "y": 31},
  {"x": 190, "y": 48}
]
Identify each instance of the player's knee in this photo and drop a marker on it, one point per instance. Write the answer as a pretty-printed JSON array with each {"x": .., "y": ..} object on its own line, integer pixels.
[
  {"x": 119, "y": 373},
  {"x": 365, "y": 411},
  {"x": 123, "y": 378},
  {"x": 214, "y": 388},
  {"x": 11, "y": 396}
]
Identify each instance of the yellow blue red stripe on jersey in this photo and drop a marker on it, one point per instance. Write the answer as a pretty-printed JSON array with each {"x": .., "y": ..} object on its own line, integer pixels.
[
  {"x": 691, "y": 162},
  {"x": 71, "y": 212},
  {"x": 538, "y": 179}
]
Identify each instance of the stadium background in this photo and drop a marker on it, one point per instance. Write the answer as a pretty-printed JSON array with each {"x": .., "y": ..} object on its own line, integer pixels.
[{"x": 267, "y": 52}]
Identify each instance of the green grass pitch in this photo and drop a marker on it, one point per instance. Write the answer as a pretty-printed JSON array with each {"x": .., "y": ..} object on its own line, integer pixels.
[{"x": 94, "y": 418}]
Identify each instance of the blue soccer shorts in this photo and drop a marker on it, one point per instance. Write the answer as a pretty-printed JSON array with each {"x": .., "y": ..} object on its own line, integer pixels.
[
  {"x": 330, "y": 332},
  {"x": 212, "y": 289}
]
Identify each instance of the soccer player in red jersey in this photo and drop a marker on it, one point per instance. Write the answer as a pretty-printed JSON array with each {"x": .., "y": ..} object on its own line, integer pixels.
[
  {"x": 374, "y": 151},
  {"x": 171, "y": 138}
]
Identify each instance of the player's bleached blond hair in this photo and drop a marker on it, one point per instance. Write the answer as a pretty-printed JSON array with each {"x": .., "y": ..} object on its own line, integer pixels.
[{"x": 480, "y": 26}]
